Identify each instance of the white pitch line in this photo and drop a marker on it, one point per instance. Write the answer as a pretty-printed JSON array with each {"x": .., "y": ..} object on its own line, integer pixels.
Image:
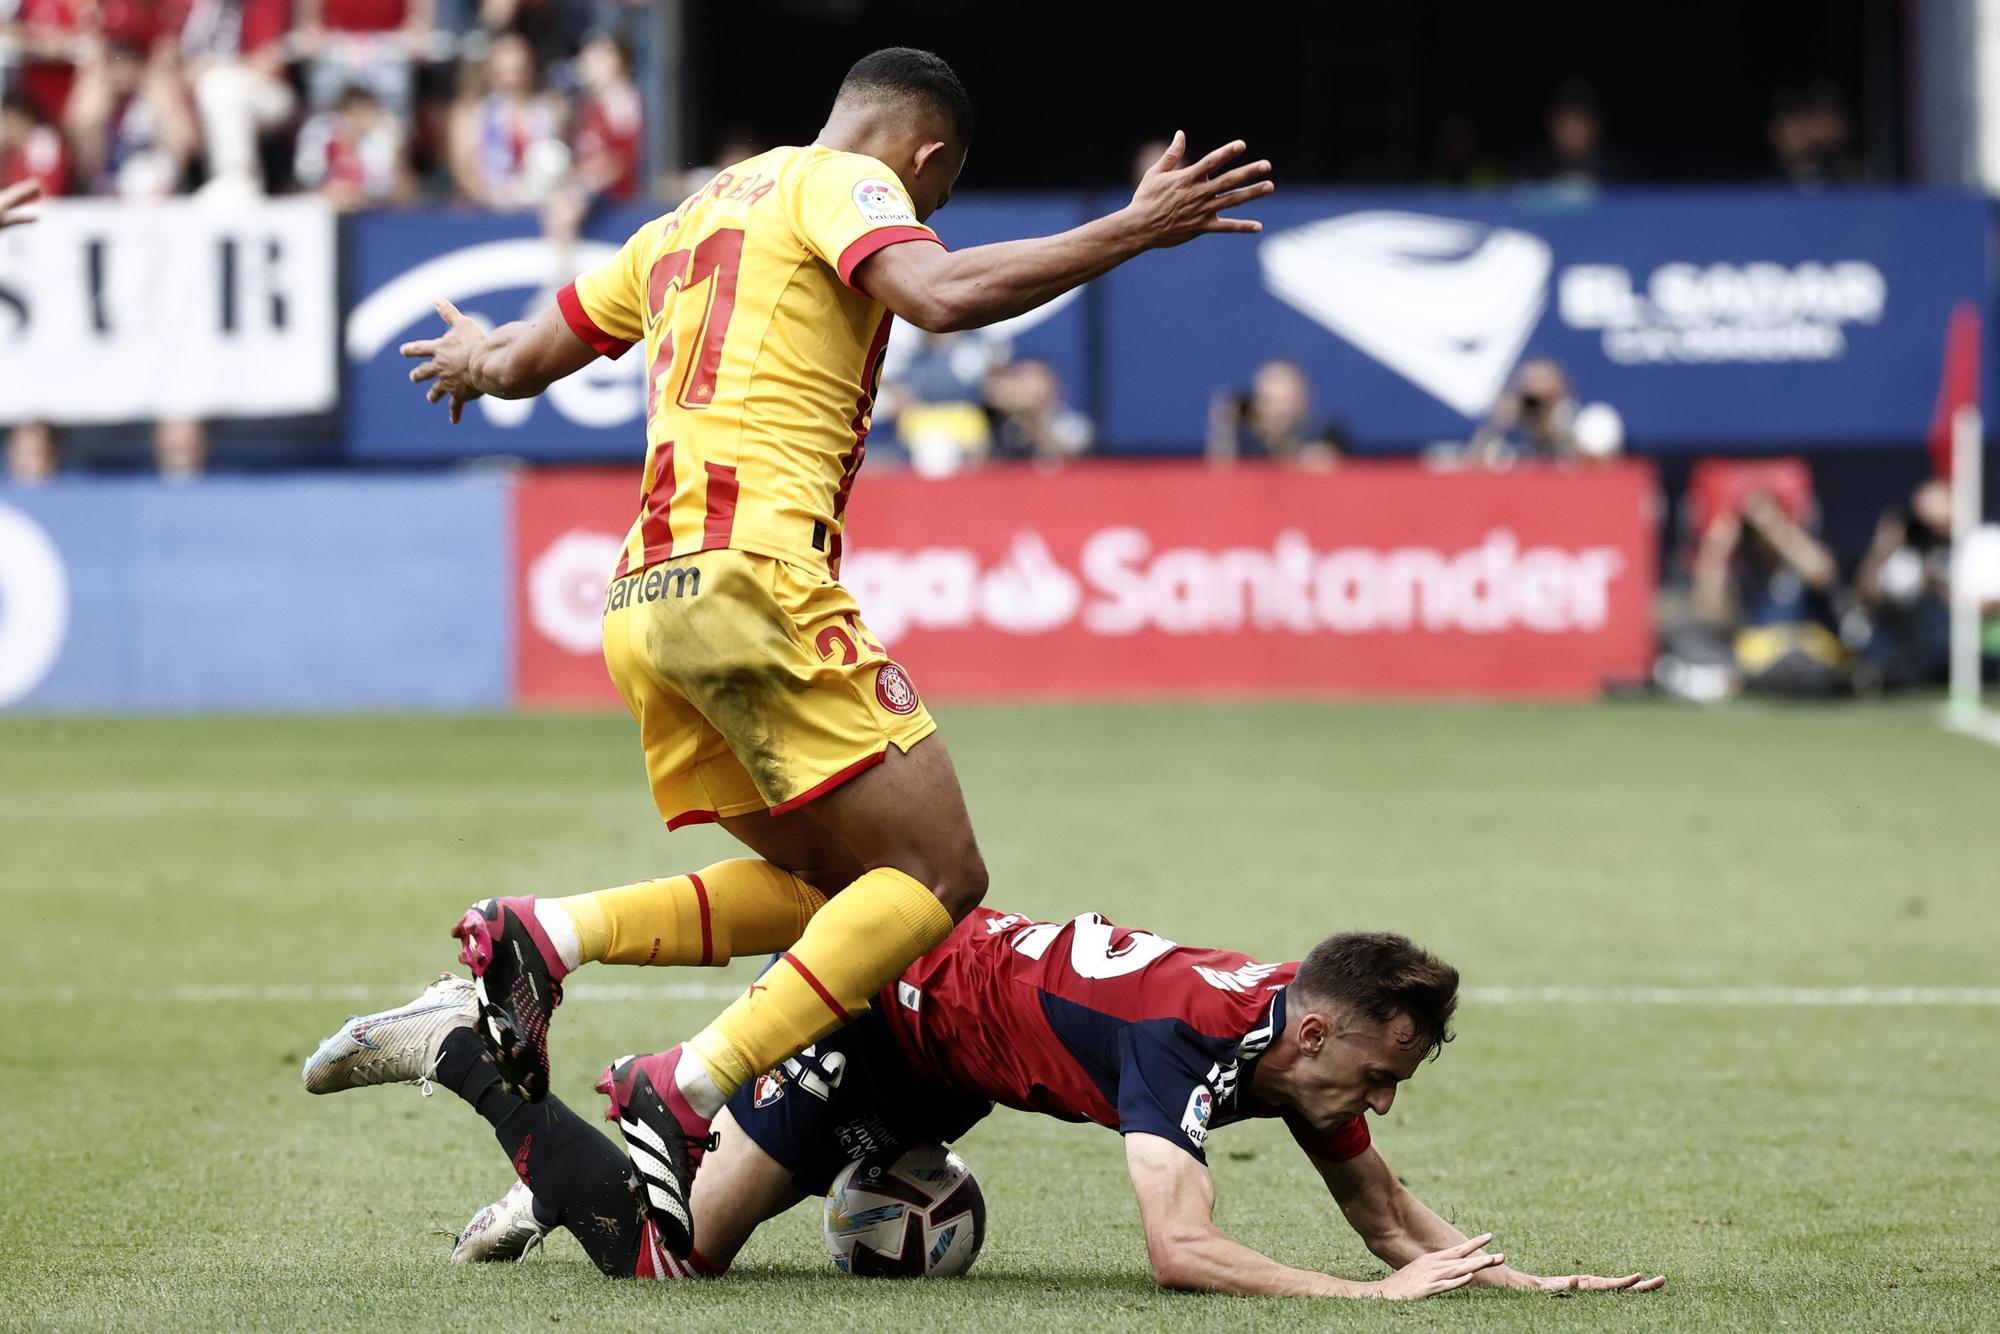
[{"x": 663, "y": 992}]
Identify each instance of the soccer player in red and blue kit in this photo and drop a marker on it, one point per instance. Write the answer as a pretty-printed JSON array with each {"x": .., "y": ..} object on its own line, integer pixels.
[{"x": 1081, "y": 1020}]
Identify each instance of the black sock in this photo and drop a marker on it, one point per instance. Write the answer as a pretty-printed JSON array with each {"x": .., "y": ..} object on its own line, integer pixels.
[{"x": 575, "y": 1171}]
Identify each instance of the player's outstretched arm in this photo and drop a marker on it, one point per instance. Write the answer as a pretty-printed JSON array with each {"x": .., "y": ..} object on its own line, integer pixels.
[
  {"x": 517, "y": 360},
  {"x": 1188, "y": 1251},
  {"x": 17, "y": 203},
  {"x": 943, "y": 291},
  {"x": 1397, "y": 1226}
]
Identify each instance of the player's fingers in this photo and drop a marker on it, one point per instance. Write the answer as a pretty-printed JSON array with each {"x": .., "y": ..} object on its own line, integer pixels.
[
  {"x": 1653, "y": 1284},
  {"x": 1447, "y": 1284},
  {"x": 1233, "y": 225},
  {"x": 437, "y": 392},
  {"x": 19, "y": 193},
  {"x": 1234, "y": 148},
  {"x": 1229, "y": 180},
  {"x": 449, "y": 313},
  {"x": 1467, "y": 1247},
  {"x": 422, "y": 347},
  {"x": 1238, "y": 198},
  {"x": 427, "y": 371}
]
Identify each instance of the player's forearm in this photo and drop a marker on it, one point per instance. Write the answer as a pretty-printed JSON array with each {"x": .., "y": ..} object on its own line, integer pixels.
[
  {"x": 498, "y": 368},
  {"x": 1215, "y": 1262},
  {"x": 988, "y": 283},
  {"x": 1399, "y": 1227}
]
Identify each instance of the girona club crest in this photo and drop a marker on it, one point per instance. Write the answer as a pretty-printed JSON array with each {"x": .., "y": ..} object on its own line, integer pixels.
[{"x": 893, "y": 688}]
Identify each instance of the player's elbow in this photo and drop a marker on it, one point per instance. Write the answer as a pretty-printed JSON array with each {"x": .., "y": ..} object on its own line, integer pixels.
[
  {"x": 934, "y": 312},
  {"x": 1176, "y": 1262}
]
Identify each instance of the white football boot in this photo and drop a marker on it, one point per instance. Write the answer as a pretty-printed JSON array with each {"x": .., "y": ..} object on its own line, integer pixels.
[
  {"x": 398, "y": 1046},
  {"x": 504, "y": 1230}
]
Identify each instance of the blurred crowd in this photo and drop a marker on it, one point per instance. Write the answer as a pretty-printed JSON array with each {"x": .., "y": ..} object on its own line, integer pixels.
[{"x": 506, "y": 104}]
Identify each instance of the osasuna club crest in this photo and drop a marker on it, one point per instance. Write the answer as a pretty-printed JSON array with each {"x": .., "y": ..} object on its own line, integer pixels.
[
  {"x": 768, "y": 1089},
  {"x": 893, "y": 688}
]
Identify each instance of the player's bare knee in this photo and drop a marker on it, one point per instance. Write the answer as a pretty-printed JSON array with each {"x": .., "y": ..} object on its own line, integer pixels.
[{"x": 963, "y": 887}]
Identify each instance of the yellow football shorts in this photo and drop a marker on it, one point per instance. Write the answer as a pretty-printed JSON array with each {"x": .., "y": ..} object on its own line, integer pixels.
[{"x": 755, "y": 684}]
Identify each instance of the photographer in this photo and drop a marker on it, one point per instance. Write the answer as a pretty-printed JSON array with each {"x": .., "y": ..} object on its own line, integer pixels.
[
  {"x": 1904, "y": 587},
  {"x": 1764, "y": 584},
  {"x": 1534, "y": 419},
  {"x": 1271, "y": 420}
]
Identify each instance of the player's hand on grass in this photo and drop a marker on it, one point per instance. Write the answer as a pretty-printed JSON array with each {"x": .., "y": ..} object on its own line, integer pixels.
[
  {"x": 449, "y": 363},
  {"x": 1514, "y": 1278},
  {"x": 17, "y": 203},
  {"x": 1440, "y": 1271},
  {"x": 1176, "y": 203}
]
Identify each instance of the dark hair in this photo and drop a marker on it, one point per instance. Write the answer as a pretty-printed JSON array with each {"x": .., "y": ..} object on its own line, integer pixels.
[
  {"x": 905, "y": 72},
  {"x": 1378, "y": 975}
]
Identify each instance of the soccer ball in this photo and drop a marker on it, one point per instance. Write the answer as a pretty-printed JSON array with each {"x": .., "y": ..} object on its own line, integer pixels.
[{"x": 916, "y": 1213}]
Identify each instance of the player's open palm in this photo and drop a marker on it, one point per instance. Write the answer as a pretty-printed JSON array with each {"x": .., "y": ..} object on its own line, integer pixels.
[
  {"x": 448, "y": 359},
  {"x": 1440, "y": 1271},
  {"x": 1177, "y": 201}
]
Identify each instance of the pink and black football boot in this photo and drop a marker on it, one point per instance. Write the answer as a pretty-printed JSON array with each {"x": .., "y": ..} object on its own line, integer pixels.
[
  {"x": 517, "y": 976},
  {"x": 665, "y": 1139}
]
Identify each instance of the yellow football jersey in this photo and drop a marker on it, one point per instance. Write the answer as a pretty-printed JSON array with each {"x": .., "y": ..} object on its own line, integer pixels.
[{"x": 761, "y": 359}]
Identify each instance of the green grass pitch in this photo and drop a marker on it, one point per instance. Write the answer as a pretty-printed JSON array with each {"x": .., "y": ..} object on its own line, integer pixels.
[{"x": 190, "y": 905}]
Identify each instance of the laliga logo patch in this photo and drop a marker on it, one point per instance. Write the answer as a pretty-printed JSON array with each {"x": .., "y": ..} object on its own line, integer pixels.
[
  {"x": 893, "y": 688},
  {"x": 881, "y": 202},
  {"x": 768, "y": 1089},
  {"x": 1194, "y": 1121}
]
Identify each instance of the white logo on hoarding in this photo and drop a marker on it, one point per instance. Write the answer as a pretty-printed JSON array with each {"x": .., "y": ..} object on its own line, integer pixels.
[
  {"x": 1755, "y": 312},
  {"x": 34, "y": 604},
  {"x": 566, "y": 588},
  {"x": 1123, "y": 585},
  {"x": 1446, "y": 304},
  {"x": 604, "y": 394}
]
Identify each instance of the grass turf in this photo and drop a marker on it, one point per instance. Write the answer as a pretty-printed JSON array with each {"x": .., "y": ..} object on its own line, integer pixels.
[{"x": 1785, "y": 1165}]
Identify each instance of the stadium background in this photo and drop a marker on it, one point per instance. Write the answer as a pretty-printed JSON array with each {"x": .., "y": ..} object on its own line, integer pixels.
[{"x": 1733, "y": 1010}]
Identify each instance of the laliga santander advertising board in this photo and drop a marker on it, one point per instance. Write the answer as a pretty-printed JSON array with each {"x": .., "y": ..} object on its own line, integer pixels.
[{"x": 1172, "y": 579}]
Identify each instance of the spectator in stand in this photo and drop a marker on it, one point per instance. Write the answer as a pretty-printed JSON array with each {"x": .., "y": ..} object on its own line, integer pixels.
[
  {"x": 608, "y": 150},
  {"x": 1028, "y": 418},
  {"x": 1811, "y": 137},
  {"x": 41, "y": 44},
  {"x": 1574, "y": 159},
  {"x": 31, "y": 150},
  {"x": 1460, "y": 160},
  {"x": 1764, "y": 585},
  {"x": 374, "y": 43},
  {"x": 231, "y": 57},
  {"x": 354, "y": 154},
  {"x": 1272, "y": 419},
  {"x": 32, "y": 458},
  {"x": 1532, "y": 419},
  {"x": 507, "y": 148},
  {"x": 605, "y": 146},
  {"x": 130, "y": 123},
  {"x": 1904, "y": 590}
]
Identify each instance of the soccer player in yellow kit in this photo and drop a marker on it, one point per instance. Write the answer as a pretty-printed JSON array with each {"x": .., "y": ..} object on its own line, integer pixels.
[{"x": 763, "y": 703}]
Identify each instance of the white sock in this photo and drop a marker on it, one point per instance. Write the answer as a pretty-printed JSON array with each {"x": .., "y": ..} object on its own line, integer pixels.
[
  {"x": 696, "y": 1086},
  {"x": 561, "y": 932}
]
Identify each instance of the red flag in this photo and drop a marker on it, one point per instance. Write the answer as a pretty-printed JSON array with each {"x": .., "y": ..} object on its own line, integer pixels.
[{"x": 1958, "y": 384}]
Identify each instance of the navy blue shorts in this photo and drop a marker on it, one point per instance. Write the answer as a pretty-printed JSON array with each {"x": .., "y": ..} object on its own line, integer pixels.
[{"x": 845, "y": 1097}]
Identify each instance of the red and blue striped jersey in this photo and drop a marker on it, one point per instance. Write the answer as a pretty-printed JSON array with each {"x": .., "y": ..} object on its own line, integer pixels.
[{"x": 1088, "y": 1021}]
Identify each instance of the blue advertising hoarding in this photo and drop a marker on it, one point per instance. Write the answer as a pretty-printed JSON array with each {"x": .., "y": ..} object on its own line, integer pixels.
[
  {"x": 497, "y": 268},
  {"x": 1708, "y": 319},
  {"x": 318, "y": 593}
]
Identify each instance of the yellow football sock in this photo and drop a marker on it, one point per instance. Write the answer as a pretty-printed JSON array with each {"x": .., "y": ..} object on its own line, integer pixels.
[
  {"x": 864, "y": 937},
  {"x": 743, "y": 906}
]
